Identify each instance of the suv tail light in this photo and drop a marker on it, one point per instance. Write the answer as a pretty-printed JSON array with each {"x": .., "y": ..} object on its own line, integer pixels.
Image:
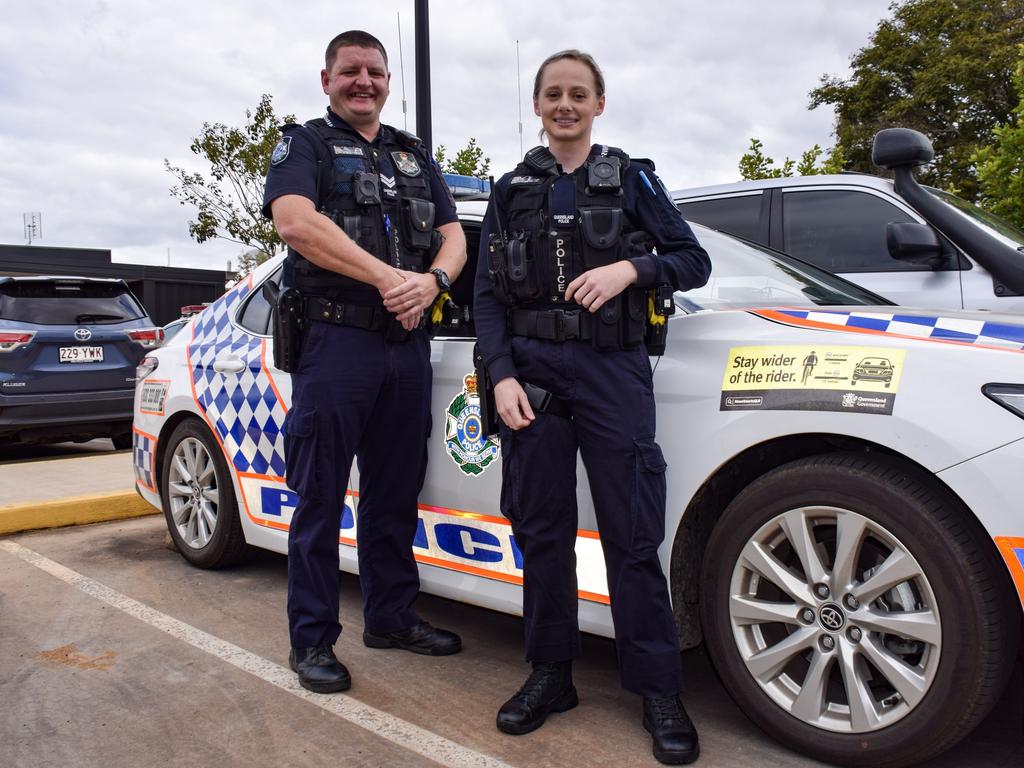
[
  {"x": 11, "y": 340},
  {"x": 193, "y": 309},
  {"x": 147, "y": 337}
]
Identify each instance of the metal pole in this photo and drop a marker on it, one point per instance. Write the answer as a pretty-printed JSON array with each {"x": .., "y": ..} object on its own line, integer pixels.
[{"x": 423, "y": 128}]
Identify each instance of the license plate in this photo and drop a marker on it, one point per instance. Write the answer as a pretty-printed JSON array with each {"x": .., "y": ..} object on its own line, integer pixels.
[{"x": 80, "y": 354}]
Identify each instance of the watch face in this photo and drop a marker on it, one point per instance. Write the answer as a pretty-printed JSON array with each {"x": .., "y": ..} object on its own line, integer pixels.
[{"x": 442, "y": 279}]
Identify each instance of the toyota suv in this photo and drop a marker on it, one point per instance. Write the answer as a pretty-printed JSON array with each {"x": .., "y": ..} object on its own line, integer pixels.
[
  {"x": 915, "y": 245},
  {"x": 68, "y": 351}
]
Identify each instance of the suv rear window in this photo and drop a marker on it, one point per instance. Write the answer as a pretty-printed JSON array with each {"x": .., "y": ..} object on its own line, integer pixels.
[
  {"x": 738, "y": 215},
  {"x": 67, "y": 302}
]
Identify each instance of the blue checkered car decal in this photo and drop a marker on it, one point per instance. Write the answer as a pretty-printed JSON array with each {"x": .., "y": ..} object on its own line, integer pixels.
[
  {"x": 989, "y": 333},
  {"x": 142, "y": 459},
  {"x": 243, "y": 408}
]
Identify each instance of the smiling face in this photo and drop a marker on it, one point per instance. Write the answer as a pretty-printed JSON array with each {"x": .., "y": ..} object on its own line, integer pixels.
[
  {"x": 357, "y": 84},
  {"x": 567, "y": 101}
]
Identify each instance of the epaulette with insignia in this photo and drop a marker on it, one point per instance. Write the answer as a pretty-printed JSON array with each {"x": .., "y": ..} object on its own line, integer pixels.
[
  {"x": 408, "y": 140},
  {"x": 541, "y": 160}
]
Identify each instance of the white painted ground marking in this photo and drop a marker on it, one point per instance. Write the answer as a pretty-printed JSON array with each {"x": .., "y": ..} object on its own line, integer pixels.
[{"x": 394, "y": 729}]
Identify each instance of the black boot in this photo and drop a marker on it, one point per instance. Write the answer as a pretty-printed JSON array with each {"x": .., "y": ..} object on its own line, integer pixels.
[
  {"x": 319, "y": 669},
  {"x": 422, "y": 638},
  {"x": 548, "y": 689},
  {"x": 672, "y": 731}
]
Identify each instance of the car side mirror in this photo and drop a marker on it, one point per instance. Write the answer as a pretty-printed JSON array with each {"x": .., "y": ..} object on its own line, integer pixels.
[{"x": 910, "y": 241}]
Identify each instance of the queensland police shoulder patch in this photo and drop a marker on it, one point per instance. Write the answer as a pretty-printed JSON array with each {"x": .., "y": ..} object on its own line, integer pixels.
[
  {"x": 281, "y": 150},
  {"x": 406, "y": 163},
  {"x": 463, "y": 434}
]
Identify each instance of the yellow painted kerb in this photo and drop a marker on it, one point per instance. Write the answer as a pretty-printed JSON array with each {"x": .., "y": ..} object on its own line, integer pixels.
[{"x": 76, "y": 510}]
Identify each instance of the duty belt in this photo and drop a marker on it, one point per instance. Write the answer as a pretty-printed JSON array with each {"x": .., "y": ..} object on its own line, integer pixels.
[
  {"x": 369, "y": 317},
  {"x": 550, "y": 324}
]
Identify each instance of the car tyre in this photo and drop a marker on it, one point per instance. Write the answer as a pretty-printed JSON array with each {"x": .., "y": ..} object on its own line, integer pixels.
[
  {"x": 199, "y": 498},
  {"x": 864, "y": 516},
  {"x": 122, "y": 442}
]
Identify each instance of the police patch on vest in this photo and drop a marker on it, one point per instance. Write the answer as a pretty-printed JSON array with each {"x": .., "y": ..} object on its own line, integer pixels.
[
  {"x": 463, "y": 433},
  {"x": 339, "y": 150},
  {"x": 281, "y": 150},
  {"x": 406, "y": 163},
  {"x": 525, "y": 180}
]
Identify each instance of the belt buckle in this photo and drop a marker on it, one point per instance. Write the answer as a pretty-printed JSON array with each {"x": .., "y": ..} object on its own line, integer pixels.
[{"x": 568, "y": 324}]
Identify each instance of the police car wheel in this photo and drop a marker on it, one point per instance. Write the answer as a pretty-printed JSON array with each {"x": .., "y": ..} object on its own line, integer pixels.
[
  {"x": 845, "y": 598},
  {"x": 199, "y": 499}
]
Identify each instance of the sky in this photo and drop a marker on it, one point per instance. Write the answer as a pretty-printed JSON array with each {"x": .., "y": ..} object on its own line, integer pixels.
[{"x": 95, "y": 94}]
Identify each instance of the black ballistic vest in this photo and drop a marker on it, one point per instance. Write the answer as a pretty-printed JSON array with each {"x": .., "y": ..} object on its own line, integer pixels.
[
  {"x": 540, "y": 255},
  {"x": 390, "y": 217}
]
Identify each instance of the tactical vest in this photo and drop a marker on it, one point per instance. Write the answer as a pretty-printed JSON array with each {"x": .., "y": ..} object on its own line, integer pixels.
[
  {"x": 393, "y": 219},
  {"x": 536, "y": 259}
]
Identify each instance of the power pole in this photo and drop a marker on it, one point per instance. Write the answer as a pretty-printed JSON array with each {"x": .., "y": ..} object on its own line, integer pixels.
[{"x": 423, "y": 127}]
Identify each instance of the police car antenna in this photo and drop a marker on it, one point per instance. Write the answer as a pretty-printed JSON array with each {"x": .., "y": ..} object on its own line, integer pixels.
[
  {"x": 401, "y": 63},
  {"x": 519, "y": 83}
]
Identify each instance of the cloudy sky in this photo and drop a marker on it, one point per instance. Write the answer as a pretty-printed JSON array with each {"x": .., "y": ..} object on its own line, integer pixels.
[{"x": 94, "y": 94}]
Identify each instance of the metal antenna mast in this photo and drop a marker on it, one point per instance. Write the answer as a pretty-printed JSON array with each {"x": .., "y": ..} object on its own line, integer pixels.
[
  {"x": 519, "y": 83},
  {"x": 33, "y": 226},
  {"x": 401, "y": 61}
]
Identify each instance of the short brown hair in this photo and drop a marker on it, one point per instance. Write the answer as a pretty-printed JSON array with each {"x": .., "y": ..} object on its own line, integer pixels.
[
  {"x": 574, "y": 55},
  {"x": 354, "y": 38}
]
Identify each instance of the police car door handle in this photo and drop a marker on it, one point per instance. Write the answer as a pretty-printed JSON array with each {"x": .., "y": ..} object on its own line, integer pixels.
[{"x": 230, "y": 364}]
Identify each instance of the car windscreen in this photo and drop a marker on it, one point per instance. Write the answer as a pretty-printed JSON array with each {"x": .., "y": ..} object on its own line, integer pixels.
[
  {"x": 67, "y": 302},
  {"x": 1000, "y": 228},
  {"x": 745, "y": 276}
]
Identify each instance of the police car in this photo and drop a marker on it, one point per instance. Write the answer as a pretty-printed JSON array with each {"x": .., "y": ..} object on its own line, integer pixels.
[{"x": 850, "y": 547}]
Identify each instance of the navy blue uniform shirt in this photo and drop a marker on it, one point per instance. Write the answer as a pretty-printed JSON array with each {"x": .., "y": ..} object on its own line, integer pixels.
[{"x": 680, "y": 260}]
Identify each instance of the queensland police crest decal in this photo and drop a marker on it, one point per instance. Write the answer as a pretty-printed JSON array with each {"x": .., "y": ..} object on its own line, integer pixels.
[
  {"x": 406, "y": 163},
  {"x": 463, "y": 433},
  {"x": 281, "y": 150}
]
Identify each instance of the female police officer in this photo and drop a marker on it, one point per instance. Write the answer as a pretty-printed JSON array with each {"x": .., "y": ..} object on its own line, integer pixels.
[{"x": 563, "y": 291}]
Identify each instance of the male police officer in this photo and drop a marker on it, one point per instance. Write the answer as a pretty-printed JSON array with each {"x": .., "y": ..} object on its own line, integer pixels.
[{"x": 372, "y": 239}]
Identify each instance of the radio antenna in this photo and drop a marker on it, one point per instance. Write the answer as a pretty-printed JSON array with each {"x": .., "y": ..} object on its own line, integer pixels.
[
  {"x": 401, "y": 63},
  {"x": 519, "y": 83}
]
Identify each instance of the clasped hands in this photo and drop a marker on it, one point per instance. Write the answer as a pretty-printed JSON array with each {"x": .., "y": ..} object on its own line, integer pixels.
[{"x": 407, "y": 295}]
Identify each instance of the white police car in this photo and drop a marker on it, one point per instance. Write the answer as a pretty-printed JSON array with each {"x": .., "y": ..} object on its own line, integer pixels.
[{"x": 851, "y": 553}]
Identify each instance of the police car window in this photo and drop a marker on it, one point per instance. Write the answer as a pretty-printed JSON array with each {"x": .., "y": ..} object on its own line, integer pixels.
[
  {"x": 746, "y": 276},
  {"x": 842, "y": 230},
  {"x": 738, "y": 215},
  {"x": 255, "y": 315}
]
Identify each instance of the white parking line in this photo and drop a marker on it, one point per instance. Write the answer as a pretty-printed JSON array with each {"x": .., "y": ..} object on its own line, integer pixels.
[{"x": 394, "y": 729}]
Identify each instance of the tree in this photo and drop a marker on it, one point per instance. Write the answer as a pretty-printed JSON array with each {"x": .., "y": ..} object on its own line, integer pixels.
[
  {"x": 1001, "y": 165},
  {"x": 468, "y": 161},
  {"x": 942, "y": 67},
  {"x": 229, "y": 199},
  {"x": 757, "y": 165}
]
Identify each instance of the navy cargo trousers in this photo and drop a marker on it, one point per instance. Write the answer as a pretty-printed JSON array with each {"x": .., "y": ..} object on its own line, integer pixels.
[
  {"x": 355, "y": 394},
  {"x": 612, "y": 426}
]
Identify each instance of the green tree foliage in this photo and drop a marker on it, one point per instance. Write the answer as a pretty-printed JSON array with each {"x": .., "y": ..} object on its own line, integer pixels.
[
  {"x": 1001, "y": 165},
  {"x": 229, "y": 198},
  {"x": 942, "y": 67},
  {"x": 469, "y": 161},
  {"x": 755, "y": 164}
]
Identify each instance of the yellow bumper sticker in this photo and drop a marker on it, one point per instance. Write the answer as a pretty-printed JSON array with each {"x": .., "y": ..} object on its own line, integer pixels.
[{"x": 812, "y": 378}]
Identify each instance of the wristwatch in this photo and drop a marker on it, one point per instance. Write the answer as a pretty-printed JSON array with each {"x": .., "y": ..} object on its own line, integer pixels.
[{"x": 443, "y": 283}]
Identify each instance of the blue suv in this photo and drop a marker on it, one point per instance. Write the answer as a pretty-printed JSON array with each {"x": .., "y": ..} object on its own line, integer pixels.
[{"x": 68, "y": 351}]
